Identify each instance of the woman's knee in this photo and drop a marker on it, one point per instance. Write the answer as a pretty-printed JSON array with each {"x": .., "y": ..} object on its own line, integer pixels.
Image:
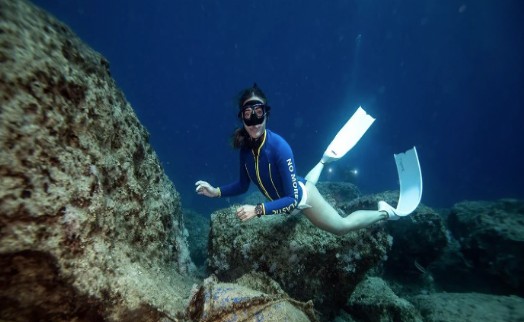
[{"x": 325, "y": 220}]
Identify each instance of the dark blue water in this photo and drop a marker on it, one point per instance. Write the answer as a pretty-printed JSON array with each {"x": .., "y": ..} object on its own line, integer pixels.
[{"x": 445, "y": 76}]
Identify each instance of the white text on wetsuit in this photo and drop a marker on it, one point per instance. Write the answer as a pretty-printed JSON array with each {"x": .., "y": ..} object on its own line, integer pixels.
[{"x": 295, "y": 190}]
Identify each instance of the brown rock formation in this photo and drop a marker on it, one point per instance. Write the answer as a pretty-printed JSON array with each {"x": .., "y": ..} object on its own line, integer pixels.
[
  {"x": 308, "y": 263},
  {"x": 373, "y": 300},
  {"x": 490, "y": 241},
  {"x": 90, "y": 226}
]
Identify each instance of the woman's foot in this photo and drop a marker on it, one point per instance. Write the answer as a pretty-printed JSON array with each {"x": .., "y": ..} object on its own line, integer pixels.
[{"x": 388, "y": 209}]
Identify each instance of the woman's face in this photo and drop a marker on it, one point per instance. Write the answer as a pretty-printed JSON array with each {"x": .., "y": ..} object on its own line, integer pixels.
[
  {"x": 253, "y": 112},
  {"x": 256, "y": 131}
]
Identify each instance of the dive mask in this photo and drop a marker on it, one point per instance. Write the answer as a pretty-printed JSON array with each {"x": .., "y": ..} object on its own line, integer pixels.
[{"x": 253, "y": 114}]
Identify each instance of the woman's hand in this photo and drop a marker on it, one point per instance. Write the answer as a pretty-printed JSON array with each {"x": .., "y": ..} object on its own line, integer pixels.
[
  {"x": 246, "y": 212},
  {"x": 204, "y": 188}
]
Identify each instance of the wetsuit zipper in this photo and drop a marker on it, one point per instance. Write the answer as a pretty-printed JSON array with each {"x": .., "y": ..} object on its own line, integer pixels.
[{"x": 257, "y": 170}]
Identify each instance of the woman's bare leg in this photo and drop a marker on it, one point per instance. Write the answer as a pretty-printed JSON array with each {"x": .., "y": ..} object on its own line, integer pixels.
[{"x": 324, "y": 216}]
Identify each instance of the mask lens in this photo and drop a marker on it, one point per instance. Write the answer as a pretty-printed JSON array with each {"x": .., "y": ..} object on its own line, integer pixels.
[
  {"x": 246, "y": 114},
  {"x": 256, "y": 111},
  {"x": 259, "y": 111}
]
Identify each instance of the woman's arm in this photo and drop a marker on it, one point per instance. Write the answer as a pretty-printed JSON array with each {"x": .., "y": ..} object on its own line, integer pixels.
[
  {"x": 241, "y": 185},
  {"x": 233, "y": 189}
]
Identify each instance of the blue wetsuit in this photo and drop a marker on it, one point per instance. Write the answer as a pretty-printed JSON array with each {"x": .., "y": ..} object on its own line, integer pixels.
[{"x": 272, "y": 169}]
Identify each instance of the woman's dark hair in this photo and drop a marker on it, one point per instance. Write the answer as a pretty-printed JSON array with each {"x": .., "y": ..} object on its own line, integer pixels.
[
  {"x": 240, "y": 137},
  {"x": 248, "y": 92}
]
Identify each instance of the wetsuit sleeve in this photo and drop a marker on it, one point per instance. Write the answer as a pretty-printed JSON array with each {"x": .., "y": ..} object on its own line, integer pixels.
[
  {"x": 290, "y": 195},
  {"x": 238, "y": 187}
]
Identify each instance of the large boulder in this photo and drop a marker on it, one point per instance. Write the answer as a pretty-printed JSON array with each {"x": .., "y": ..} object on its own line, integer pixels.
[
  {"x": 307, "y": 262},
  {"x": 373, "y": 300},
  {"x": 419, "y": 240},
  {"x": 490, "y": 242},
  {"x": 339, "y": 194},
  {"x": 90, "y": 226}
]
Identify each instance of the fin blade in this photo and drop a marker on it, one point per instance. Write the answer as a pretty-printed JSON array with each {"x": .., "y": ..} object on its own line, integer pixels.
[
  {"x": 349, "y": 135},
  {"x": 410, "y": 178}
]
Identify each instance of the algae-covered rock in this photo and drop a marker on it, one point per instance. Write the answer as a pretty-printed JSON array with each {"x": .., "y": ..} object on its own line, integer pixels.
[
  {"x": 490, "y": 238},
  {"x": 373, "y": 300},
  {"x": 198, "y": 228},
  {"x": 469, "y": 307},
  {"x": 338, "y": 194},
  {"x": 90, "y": 226},
  {"x": 306, "y": 261},
  {"x": 253, "y": 297},
  {"x": 419, "y": 240}
]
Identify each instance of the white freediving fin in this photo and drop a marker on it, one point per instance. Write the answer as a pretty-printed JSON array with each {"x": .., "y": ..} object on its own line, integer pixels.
[
  {"x": 344, "y": 141},
  {"x": 410, "y": 177},
  {"x": 348, "y": 135}
]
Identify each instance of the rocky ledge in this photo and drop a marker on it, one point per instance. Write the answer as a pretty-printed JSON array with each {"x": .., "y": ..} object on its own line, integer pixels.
[{"x": 90, "y": 226}]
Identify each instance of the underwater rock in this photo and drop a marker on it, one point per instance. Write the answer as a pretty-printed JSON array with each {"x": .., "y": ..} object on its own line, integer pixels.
[
  {"x": 338, "y": 194},
  {"x": 90, "y": 226},
  {"x": 343, "y": 316},
  {"x": 469, "y": 307},
  {"x": 307, "y": 262},
  {"x": 373, "y": 300},
  {"x": 253, "y": 297},
  {"x": 198, "y": 228},
  {"x": 418, "y": 240},
  {"x": 490, "y": 238},
  {"x": 361, "y": 201}
]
